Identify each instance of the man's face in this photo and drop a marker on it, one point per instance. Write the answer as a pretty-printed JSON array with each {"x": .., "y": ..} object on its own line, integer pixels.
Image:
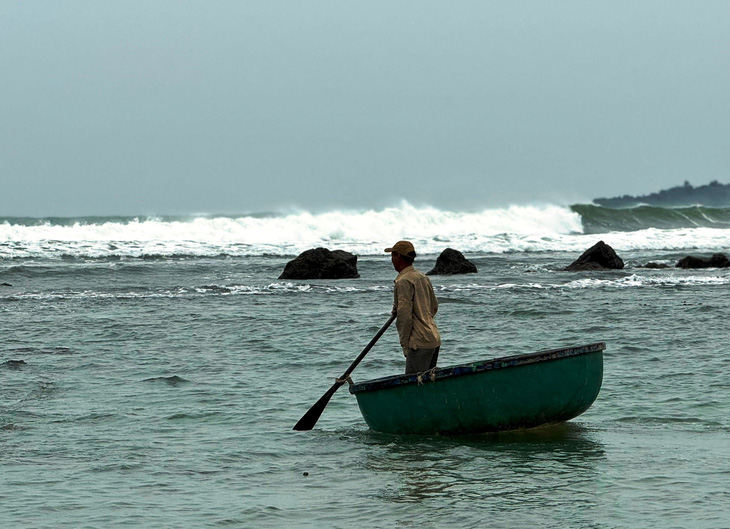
[{"x": 394, "y": 258}]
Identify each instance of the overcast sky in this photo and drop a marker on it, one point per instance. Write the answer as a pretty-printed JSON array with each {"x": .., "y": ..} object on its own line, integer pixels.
[{"x": 175, "y": 107}]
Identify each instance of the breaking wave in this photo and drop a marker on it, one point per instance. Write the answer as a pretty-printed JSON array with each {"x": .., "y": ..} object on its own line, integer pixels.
[
  {"x": 597, "y": 219},
  {"x": 505, "y": 230}
]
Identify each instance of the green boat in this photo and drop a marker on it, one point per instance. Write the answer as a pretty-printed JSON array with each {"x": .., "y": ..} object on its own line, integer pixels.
[{"x": 510, "y": 393}]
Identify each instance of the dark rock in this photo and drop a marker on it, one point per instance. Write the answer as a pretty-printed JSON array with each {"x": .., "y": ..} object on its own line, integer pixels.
[
  {"x": 174, "y": 380},
  {"x": 5, "y": 285},
  {"x": 717, "y": 260},
  {"x": 321, "y": 263},
  {"x": 600, "y": 256},
  {"x": 15, "y": 364},
  {"x": 452, "y": 262},
  {"x": 655, "y": 265}
]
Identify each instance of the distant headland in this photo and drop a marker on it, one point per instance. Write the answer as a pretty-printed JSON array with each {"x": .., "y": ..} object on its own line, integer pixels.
[{"x": 713, "y": 194}]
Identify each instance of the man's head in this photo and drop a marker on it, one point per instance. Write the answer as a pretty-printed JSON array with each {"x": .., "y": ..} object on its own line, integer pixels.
[{"x": 402, "y": 254}]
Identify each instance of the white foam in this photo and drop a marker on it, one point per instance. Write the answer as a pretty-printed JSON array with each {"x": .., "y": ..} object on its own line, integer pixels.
[
  {"x": 636, "y": 280},
  {"x": 512, "y": 229},
  {"x": 665, "y": 279}
]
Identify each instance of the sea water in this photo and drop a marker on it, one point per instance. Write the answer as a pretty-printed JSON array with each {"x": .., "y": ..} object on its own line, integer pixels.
[{"x": 152, "y": 369}]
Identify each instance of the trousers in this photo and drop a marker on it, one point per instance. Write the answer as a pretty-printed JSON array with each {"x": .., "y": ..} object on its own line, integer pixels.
[{"x": 420, "y": 360}]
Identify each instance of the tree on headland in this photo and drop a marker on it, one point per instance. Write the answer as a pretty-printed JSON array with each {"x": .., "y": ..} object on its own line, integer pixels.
[{"x": 713, "y": 194}]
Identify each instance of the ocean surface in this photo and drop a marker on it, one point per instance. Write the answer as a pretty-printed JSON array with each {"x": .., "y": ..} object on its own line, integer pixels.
[{"x": 152, "y": 369}]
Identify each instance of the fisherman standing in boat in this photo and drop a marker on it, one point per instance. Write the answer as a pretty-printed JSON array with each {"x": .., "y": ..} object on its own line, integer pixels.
[{"x": 415, "y": 306}]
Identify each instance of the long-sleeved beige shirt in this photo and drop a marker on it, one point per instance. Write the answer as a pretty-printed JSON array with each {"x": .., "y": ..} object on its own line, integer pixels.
[{"x": 415, "y": 305}]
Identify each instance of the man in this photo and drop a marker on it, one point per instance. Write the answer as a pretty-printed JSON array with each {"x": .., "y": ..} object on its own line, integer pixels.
[{"x": 415, "y": 305}]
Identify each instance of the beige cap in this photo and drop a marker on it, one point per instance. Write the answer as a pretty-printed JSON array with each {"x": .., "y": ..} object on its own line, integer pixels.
[{"x": 403, "y": 248}]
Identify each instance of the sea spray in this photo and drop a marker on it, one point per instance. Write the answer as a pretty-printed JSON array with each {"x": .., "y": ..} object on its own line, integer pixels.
[
  {"x": 362, "y": 232},
  {"x": 506, "y": 230}
]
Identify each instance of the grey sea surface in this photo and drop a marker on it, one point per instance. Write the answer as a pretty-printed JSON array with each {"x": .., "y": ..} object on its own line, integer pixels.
[{"x": 161, "y": 392}]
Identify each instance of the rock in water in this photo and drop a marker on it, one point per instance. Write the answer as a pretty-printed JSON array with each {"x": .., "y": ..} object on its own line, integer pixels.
[
  {"x": 321, "y": 263},
  {"x": 452, "y": 262},
  {"x": 15, "y": 364},
  {"x": 718, "y": 260},
  {"x": 174, "y": 380},
  {"x": 600, "y": 256}
]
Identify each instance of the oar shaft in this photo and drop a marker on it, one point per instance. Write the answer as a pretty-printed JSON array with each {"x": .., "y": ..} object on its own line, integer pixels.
[
  {"x": 368, "y": 347},
  {"x": 310, "y": 418}
]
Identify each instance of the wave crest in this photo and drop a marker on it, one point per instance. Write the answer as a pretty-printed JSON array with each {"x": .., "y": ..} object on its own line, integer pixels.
[
  {"x": 547, "y": 228},
  {"x": 598, "y": 219},
  {"x": 364, "y": 232}
]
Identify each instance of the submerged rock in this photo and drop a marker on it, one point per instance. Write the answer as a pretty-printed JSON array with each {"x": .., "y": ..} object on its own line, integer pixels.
[
  {"x": 452, "y": 262},
  {"x": 174, "y": 380},
  {"x": 321, "y": 263},
  {"x": 600, "y": 256},
  {"x": 717, "y": 260},
  {"x": 15, "y": 364}
]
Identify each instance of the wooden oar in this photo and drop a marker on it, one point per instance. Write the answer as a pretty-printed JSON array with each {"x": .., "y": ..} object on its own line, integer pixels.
[{"x": 310, "y": 418}]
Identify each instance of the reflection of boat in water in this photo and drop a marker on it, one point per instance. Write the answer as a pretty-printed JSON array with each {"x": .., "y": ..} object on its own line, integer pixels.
[{"x": 514, "y": 392}]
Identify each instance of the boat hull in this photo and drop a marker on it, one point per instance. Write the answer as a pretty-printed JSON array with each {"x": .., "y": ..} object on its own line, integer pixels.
[{"x": 510, "y": 393}]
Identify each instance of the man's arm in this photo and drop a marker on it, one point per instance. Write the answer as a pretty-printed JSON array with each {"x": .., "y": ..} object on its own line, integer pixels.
[
  {"x": 434, "y": 299},
  {"x": 404, "y": 298}
]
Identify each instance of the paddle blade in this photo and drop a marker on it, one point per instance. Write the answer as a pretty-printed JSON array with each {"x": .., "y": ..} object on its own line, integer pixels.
[{"x": 310, "y": 418}]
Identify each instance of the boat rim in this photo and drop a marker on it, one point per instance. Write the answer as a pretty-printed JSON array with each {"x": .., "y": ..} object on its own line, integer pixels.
[{"x": 476, "y": 367}]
